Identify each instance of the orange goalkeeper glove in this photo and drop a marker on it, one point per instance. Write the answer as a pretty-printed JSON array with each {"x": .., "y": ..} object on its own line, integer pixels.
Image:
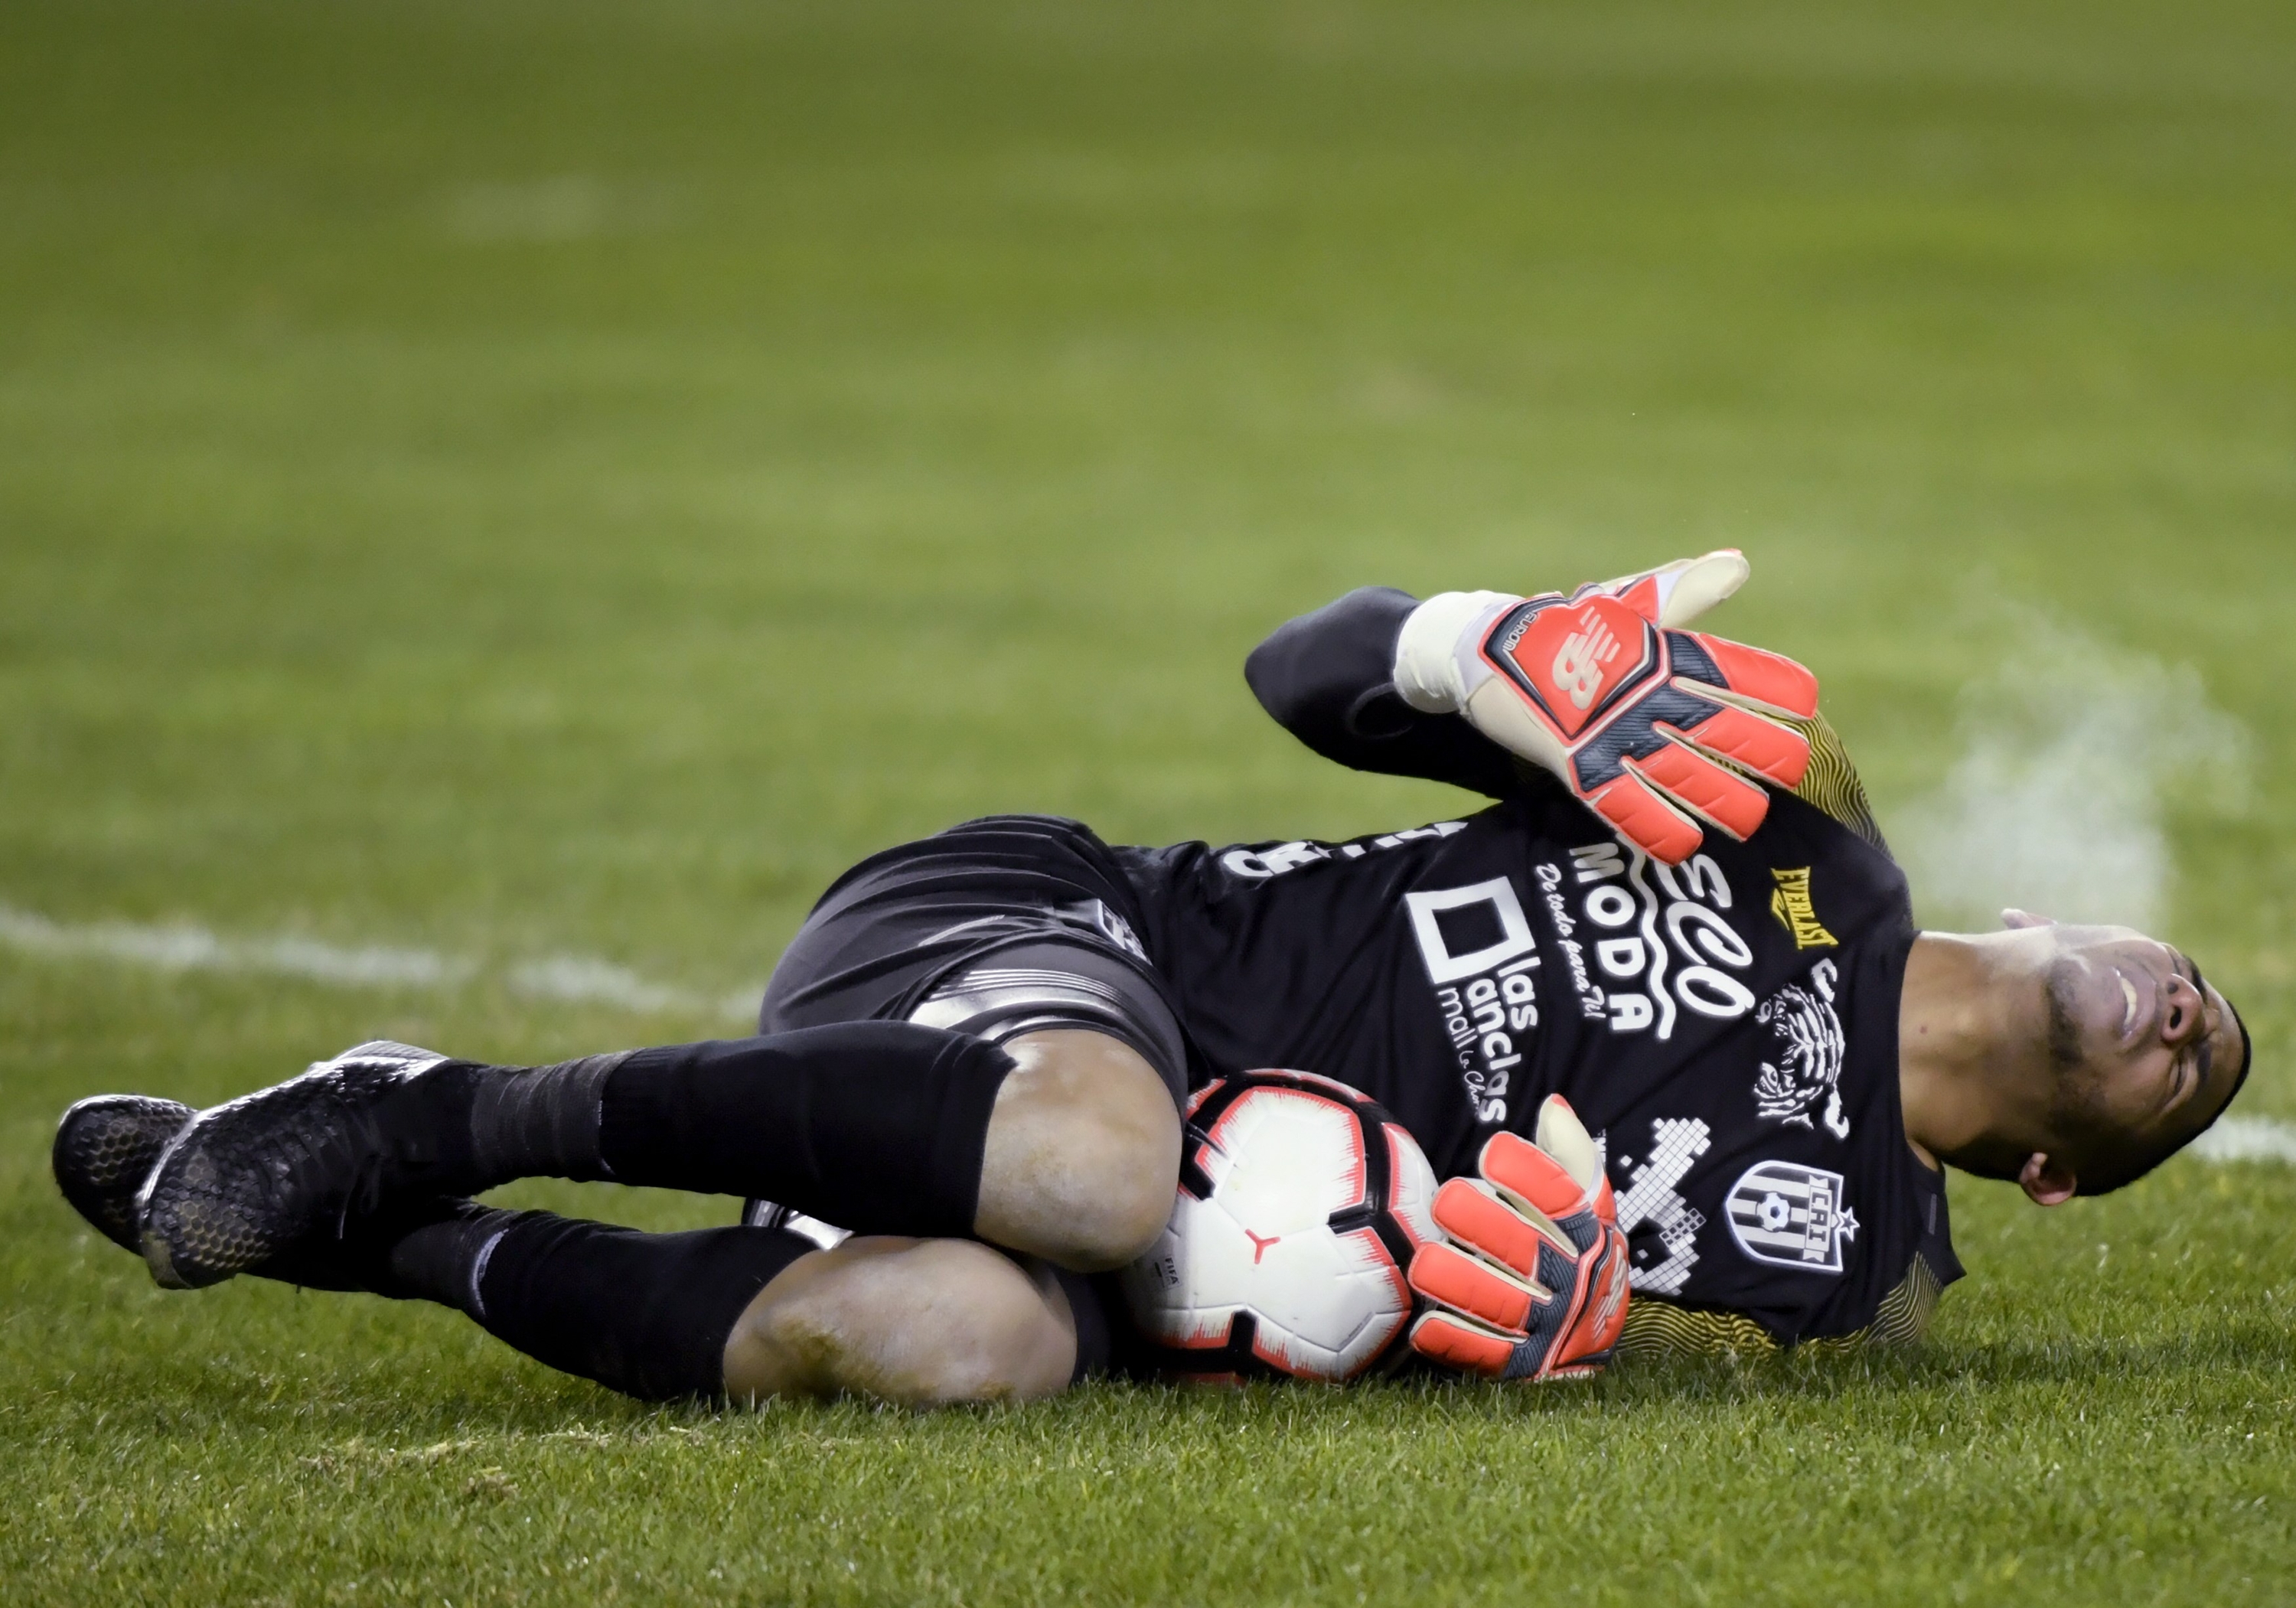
[
  {"x": 1535, "y": 1286},
  {"x": 1631, "y": 713}
]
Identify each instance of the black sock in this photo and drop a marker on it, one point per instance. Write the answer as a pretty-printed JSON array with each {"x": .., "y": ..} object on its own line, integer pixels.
[
  {"x": 432, "y": 1256},
  {"x": 878, "y": 1127},
  {"x": 645, "y": 1314},
  {"x": 538, "y": 1121}
]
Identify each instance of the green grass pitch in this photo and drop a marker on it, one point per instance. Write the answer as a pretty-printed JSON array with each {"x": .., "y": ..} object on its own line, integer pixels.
[{"x": 526, "y": 481}]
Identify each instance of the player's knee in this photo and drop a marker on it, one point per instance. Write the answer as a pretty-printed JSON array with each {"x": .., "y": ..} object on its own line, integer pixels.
[
  {"x": 918, "y": 1322},
  {"x": 1117, "y": 1202},
  {"x": 1083, "y": 1152},
  {"x": 1125, "y": 1179}
]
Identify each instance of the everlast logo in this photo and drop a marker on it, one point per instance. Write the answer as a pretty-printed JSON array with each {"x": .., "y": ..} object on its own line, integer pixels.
[{"x": 1791, "y": 905}]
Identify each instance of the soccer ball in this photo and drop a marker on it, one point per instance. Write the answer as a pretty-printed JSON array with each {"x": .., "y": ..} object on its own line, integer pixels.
[{"x": 1299, "y": 1206}]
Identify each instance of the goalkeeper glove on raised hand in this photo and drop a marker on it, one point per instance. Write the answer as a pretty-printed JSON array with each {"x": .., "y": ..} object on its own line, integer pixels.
[
  {"x": 1534, "y": 1284},
  {"x": 1602, "y": 689}
]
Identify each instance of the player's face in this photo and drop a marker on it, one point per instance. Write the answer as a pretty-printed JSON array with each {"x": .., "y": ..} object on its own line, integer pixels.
[{"x": 2133, "y": 1027}]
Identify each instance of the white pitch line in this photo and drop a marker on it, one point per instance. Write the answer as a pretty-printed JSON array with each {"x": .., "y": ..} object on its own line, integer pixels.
[
  {"x": 582, "y": 977},
  {"x": 592, "y": 981},
  {"x": 2248, "y": 1139},
  {"x": 183, "y": 947}
]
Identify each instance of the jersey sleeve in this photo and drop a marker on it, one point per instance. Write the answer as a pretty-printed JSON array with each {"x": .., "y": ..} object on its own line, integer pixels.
[
  {"x": 1328, "y": 678},
  {"x": 1830, "y": 784}
]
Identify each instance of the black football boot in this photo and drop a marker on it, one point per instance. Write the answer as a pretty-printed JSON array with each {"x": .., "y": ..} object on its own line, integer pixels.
[
  {"x": 107, "y": 1145},
  {"x": 105, "y": 1148},
  {"x": 275, "y": 1178}
]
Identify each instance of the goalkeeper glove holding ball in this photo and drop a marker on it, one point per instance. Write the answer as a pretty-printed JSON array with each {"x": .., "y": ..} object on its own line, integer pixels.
[
  {"x": 1534, "y": 1284},
  {"x": 1602, "y": 689}
]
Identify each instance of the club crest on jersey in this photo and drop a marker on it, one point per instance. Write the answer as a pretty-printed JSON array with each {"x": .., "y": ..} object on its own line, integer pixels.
[
  {"x": 1791, "y": 904},
  {"x": 1791, "y": 1216},
  {"x": 1811, "y": 1045}
]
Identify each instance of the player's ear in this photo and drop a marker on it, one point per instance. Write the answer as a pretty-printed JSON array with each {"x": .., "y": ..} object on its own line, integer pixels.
[
  {"x": 2013, "y": 918},
  {"x": 2045, "y": 1182}
]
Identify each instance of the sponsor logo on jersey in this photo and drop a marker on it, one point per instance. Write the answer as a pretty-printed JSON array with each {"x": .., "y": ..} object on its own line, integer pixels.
[
  {"x": 1651, "y": 1207},
  {"x": 1484, "y": 984},
  {"x": 1811, "y": 1045},
  {"x": 1791, "y": 905},
  {"x": 1663, "y": 942},
  {"x": 1791, "y": 1216},
  {"x": 1259, "y": 865},
  {"x": 1574, "y": 953}
]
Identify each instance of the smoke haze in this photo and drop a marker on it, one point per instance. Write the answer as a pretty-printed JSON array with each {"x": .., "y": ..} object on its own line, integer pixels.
[{"x": 2072, "y": 755}]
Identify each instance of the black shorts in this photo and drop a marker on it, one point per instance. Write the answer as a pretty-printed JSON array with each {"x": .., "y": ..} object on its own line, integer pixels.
[{"x": 1002, "y": 926}]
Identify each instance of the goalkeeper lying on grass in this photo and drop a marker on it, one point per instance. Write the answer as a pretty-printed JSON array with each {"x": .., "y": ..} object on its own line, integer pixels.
[{"x": 975, "y": 1054}]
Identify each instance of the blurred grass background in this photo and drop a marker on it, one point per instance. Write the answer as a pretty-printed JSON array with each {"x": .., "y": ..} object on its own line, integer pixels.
[{"x": 530, "y": 479}]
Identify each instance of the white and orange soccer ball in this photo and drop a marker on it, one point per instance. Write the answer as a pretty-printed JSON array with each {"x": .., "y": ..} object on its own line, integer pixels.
[{"x": 1301, "y": 1204}]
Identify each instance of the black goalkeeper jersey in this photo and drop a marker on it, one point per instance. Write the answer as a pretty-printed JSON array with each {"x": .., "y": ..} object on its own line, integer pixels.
[{"x": 1726, "y": 1029}]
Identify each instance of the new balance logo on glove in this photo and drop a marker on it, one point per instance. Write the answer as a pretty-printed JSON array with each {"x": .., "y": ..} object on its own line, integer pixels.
[
  {"x": 1655, "y": 728},
  {"x": 1579, "y": 667}
]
